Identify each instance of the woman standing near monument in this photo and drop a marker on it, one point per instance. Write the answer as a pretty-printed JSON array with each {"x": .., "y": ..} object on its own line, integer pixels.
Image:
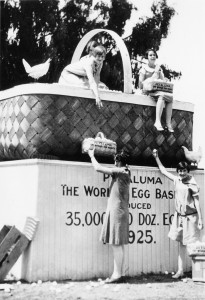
[
  {"x": 115, "y": 230},
  {"x": 187, "y": 220},
  {"x": 153, "y": 71}
]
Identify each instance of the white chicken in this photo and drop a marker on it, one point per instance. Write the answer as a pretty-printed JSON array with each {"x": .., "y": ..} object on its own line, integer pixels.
[
  {"x": 193, "y": 156},
  {"x": 36, "y": 71}
]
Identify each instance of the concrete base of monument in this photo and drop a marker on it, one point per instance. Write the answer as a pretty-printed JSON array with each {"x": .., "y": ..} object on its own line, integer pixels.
[{"x": 69, "y": 199}]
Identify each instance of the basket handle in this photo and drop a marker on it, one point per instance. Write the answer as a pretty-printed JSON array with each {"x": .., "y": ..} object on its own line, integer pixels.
[
  {"x": 123, "y": 51},
  {"x": 100, "y": 135}
]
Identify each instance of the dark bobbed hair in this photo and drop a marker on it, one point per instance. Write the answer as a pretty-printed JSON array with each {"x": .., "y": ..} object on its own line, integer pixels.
[
  {"x": 183, "y": 165},
  {"x": 99, "y": 50},
  {"x": 147, "y": 52},
  {"x": 122, "y": 156},
  {"x": 91, "y": 45}
]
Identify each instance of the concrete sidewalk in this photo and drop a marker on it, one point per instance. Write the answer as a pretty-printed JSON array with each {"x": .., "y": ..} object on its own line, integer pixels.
[{"x": 149, "y": 287}]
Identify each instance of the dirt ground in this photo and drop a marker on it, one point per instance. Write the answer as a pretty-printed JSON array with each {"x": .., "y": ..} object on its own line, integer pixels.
[{"x": 151, "y": 287}]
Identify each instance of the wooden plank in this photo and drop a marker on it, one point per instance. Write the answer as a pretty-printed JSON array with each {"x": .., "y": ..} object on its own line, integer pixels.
[
  {"x": 86, "y": 260},
  {"x": 168, "y": 185},
  {"x": 5, "y": 229},
  {"x": 153, "y": 228},
  {"x": 8, "y": 241},
  {"x": 99, "y": 206},
  {"x": 47, "y": 226},
  {"x": 20, "y": 246},
  {"x": 60, "y": 228}
]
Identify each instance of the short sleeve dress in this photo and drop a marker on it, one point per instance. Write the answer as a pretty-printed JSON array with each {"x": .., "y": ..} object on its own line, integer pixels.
[
  {"x": 185, "y": 216},
  {"x": 76, "y": 73},
  {"x": 115, "y": 228},
  {"x": 148, "y": 73}
]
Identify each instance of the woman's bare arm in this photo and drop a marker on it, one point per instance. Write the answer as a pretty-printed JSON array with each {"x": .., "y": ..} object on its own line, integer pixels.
[
  {"x": 100, "y": 168},
  {"x": 141, "y": 79},
  {"x": 97, "y": 75},
  {"x": 106, "y": 170},
  {"x": 93, "y": 83},
  {"x": 161, "y": 167},
  {"x": 198, "y": 208}
]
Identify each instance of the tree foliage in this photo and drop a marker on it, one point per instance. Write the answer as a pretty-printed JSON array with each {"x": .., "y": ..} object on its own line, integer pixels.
[{"x": 41, "y": 29}]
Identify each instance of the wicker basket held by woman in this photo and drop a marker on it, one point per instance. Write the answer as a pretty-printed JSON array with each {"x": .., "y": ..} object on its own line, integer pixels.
[{"x": 102, "y": 145}]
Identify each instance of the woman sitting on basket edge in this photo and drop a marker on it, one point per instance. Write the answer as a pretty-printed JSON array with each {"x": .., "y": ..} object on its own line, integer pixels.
[{"x": 149, "y": 73}]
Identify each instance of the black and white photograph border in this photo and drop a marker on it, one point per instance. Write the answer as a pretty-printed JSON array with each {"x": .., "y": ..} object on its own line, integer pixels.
[{"x": 54, "y": 206}]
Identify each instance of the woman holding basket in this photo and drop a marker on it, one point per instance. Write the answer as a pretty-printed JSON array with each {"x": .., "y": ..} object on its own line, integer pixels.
[
  {"x": 115, "y": 230},
  {"x": 152, "y": 71}
]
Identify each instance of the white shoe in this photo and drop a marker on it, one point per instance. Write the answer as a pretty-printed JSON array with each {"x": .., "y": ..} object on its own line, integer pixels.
[
  {"x": 179, "y": 274},
  {"x": 169, "y": 128},
  {"x": 158, "y": 127}
]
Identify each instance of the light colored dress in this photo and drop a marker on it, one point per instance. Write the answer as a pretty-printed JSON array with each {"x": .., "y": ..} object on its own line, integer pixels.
[
  {"x": 84, "y": 73},
  {"x": 148, "y": 73},
  {"x": 185, "y": 216},
  {"x": 115, "y": 228}
]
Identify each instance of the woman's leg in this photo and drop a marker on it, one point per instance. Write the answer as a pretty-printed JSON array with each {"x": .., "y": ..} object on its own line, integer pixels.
[
  {"x": 123, "y": 262},
  {"x": 118, "y": 253},
  {"x": 169, "y": 115},
  {"x": 181, "y": 261},
  {"x": 159, "y": 110},
  {"x": 181, "y": 258}
]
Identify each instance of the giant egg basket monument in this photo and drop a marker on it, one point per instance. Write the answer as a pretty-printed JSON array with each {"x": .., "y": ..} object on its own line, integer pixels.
[{"x": 44, "y": 173}]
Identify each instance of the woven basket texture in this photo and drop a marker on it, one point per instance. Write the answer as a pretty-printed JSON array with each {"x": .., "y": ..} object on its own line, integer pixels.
[{"x": 54, "y": 126}]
